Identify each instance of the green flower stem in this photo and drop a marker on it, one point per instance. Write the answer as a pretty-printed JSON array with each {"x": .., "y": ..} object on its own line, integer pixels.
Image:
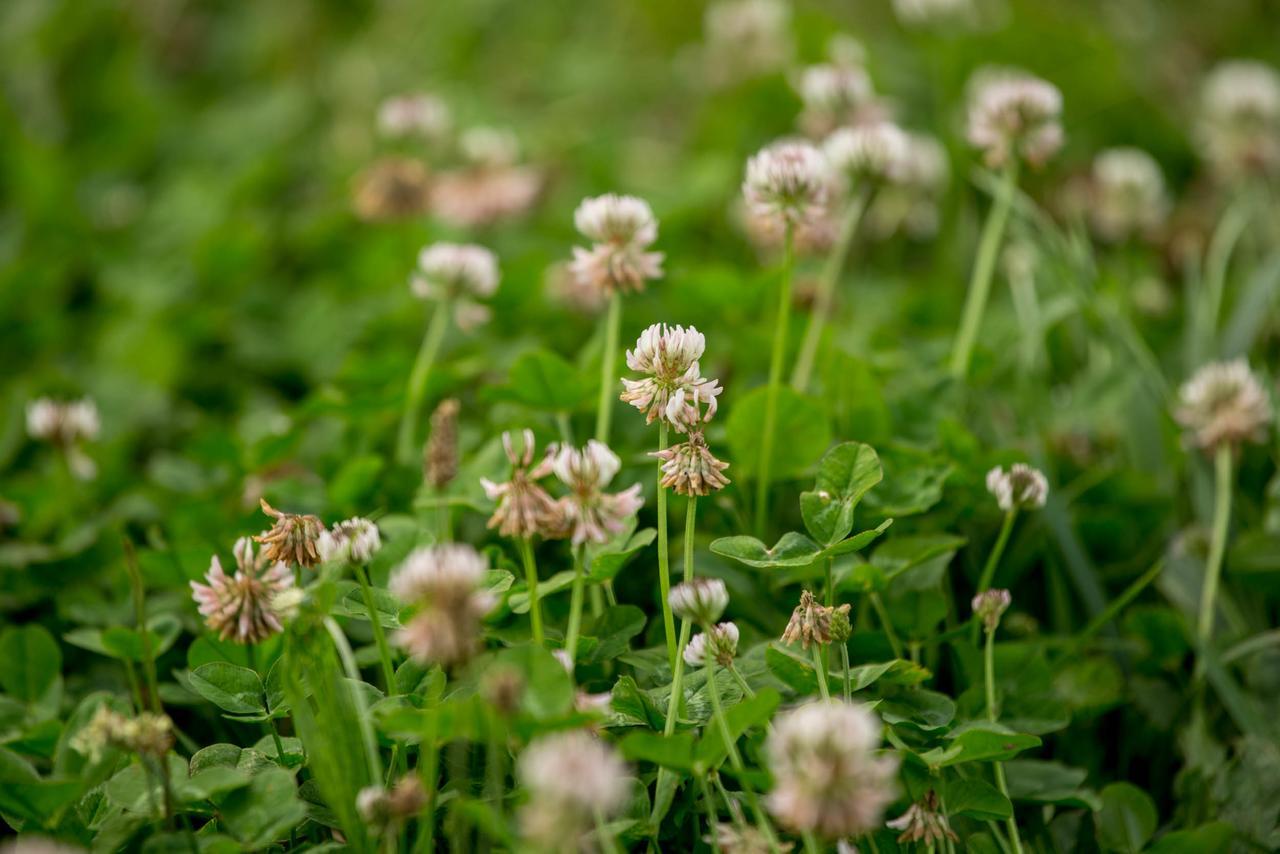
[
  {"x": 781, "y": 321},
  {"x": 608, "y": 359},
  {"x": 531, "y": 581},
  {"x": 575, "y": 606},
  {"x": 883, "y": 614},
  {"x": 664, "y": 566},
  {"x": 820, "y": 668},
  {"x": 993, "y": 560},
  {"x": 275, "y": 737},
  {"x": 429, "y": 770},
  {"x": 983, "y": 268},
  {"x": 352, "y": 672},
  {"x": 690, "y": 516},
  {"x": 710, "y": 805},
  {"x": 677, "y": 681},
  {"x": 848, "y": 678},
  {"x": 1222, "y": 246},
  {"x": 607, "y": 841},
  {"x": 989, "y": 677},
  {"x": 1217, "y": 544},
  {"x": 379, "y": 633},
  {"x": 830, "y": 275},
  {"x": 742, "y": 683},
  {"x": 811, "y": 845},
  {"x": 406, "y": 440}
]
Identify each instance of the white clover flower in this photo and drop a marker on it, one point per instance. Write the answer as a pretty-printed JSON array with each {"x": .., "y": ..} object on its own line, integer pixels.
[
  {"x": 623, "y": 228},
  {"x": 451, "y": 271},
  {"x": 146, "y": 733},
  {"x": 591, "y": 514},
  {"x": 524, "y": 507},
  {"x": 689, "y": 468},
  {"x": 833, "y": 94},
  {"x": 1014, "y": 115},
  {"x": 1224, "y": 402},
  {"x": 721, "y": 644},
  {"x": 479, "y": 196},
  {"x": 876, "y": 152},
  {"x": 1239, "y": 124},
  {"x": 355, "y": 540},
  {"x": 572, "y": 778},
  {"x": 489, "y": 147},
  {"x": 63, "y": 422},
  {"x": 745, "y": 38},
  {"x": 828, "y": 779},
  {"x": 422, "y": 115},
  {"x": 699, "y": 600},
  {"x": 444, "y": 573},
  {"x": 446, "y": 582},
  {"x": 1128, "y": 193},
  {"x": 243, "y": 607},
  {"x": 1020, "y": 487},
  {"x": 674, "y": 390},
  {"x": 924, "y": 12},
  {"x": 789, "y": 181},
  {"x": 989, "y": 606}
]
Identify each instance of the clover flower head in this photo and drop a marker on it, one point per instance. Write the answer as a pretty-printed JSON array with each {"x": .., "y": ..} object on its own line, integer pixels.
[
  {"x": 789, "y": 181},
  {"x": 391, "y": 189},
  {"x": 926, "y": 12},
  {"x": 1013, "y": 114},
  {"x": 63, "y": 422},
  {"x": 524, "y": 508},
  {"x": 814, "y": 623},
  {"x": 293, "y": 537},
  {"x": 699, "y": 600},
  {"x": 828, "y": 778},
  {"x": 453, "y": 271},
  {"x": 572, "y": 777},
  {"x": 481, "y": 195},
  {"x": 835, "y": 94},
  {"x": 1224, "y": 402},
  {"x": 414, "y": 115},
  {"x": 623, "y": 228},
  {"x": 590, "y": 513},
  {"x": 745, "y": 38},
  {"x": 489, "y": 147},
  {"x": 1021, "y": 487},
  {"x": 744, "y": 839},
  {"x": 875, "y": 152},
  {"x": 383, "y": 807},
  {"x": 1239, "y": 124},
  {"x": 719, "y": 645},
  {"x": 243, "y": 607},
  {"x": 446, "y": 583},
  {"x": 923, "y": 822},
  {"x": 1128, "y": 193},
  {"x": 674, "y": 389},
  {"x": 355, "y": 540},
  {"x": 689, "y": 467},
  {"x": 989, "y": 606},
  {"x": 146, "y": 734}
]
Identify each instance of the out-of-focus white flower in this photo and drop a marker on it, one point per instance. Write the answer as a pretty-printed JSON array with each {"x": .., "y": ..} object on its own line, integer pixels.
[
  {"x": 1128, "y": 193},
  {"x": 1020, "y": 487},
  {"x": 146, "y": 733},
  {"x": 623, "y": 228},
  {"x": 592, "y": 515},
  {"x": 744, "y": 39},
  {"x": 721, "y": 644},
  {"x": 788, "y": 181},
  {"x": 66, "y": 424},
  {"x": 924, "y": 12},
  {"x": 419, "y": 115},
  {"x": 989, "y": 606},
  {"x": 1013, "y": 114},
  {"x": 689, "y": 467},
  {"x": 293, "y": 537},
  {"x": 1224, "y": 402},
  {"x": 355, "y": 540},
  {"x": 699, "y": 600},
  {"x": 872, "y": 152},
  {"x": 460, "y": 274},
  {"x": 491, "y": 187},
  {"x": 674, "y": 389},
  {"x": 445, "y": 581},
  {"x": 834, "y": 95},
  {"x": 524, "y": 507},
  {"x": 828, "y": 778},
  {"x": 489, "y": 146},
  {"x": 910, "y": 203},
  {"x": 1239, "y": 123},
  {"x": 243, "y": 607},
  {"x": 572, "y": 778}
]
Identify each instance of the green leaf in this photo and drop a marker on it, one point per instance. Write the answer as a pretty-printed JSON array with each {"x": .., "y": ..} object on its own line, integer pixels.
[
  {"x": 923, "y": 709},
  {"x": 795, "y": 672},
  {"x": 604, "y": 561},
  {"x": 980, "y": 742},
  {"x": 1043, "y": 782},
  {"x": 629, "y": 706},
  {"x": 30, "y": 662},
  {"x": 801, "y": 432},
  {"x": 1127, "y": 819},
  {"x": 899, "y": 671},
  {"x": 233, "y": 689},
  {"x": 386, "y": 606},
  {"x": 669, "y": 751},
  {"x": 519, "y": 602},
  {"x": 610, "y": 634},
  {"x": 845, "y": 473},
  {"x": 264, "y": 811},
  {"x": 229, "y": 756},
  {"x": 791, "y": 550},
  {"x": 210, "y": 782},
  {"x": 977, "y": 799},
  {"x": 860, "y": 540},
  {"x": 1215, "y": 836},
  {"x": 543, "y": 380}
]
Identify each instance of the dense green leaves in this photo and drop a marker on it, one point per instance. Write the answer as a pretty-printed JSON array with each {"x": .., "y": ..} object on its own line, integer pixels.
[{"x": 801, "y": 427}]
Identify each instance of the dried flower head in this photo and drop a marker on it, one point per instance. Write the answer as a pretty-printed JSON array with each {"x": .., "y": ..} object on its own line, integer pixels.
[
  {"x": 479, "y": 196},
  {"x": 292, "y": 539},
  {"x": 623, "y": 228},
  {"x": 720, "y": 644},
  {"x": 674, "y": 389},
  {"x": 1239, "y": 124},
  {"x": 460, "y": 274},
  {"x": 503, "y": 687},
  {"x": 65, "y": 425},
  {"x": 745, "y": 38},
  {"x": 414, "y": 115},
  {"x": 744, "y": 839},
  {"x": 788, "y": 181},
  {"x": 924, "y": 822},
  {"x": 243, "y": 607},
  {"x": 146, "y": 734},
  {"x": 812, "y": 622},
  {"x": 446, "y": 583},
  {"x": 689, "y": 468},
  {"x": 524, "y": 507},
  {"x": 828, "y": 778},
  {"x": 1014, "y": 115},
  {"x": 1021, "y": 487},
  {"x": 591, "y": 514},
  {"x": 1127, "y": 194},
  {"x": 699, "y": 600},
  {"x": 391, "y": 189},
  {"x": 989, "y": 606},
  {"x": 875, "y": 153},
  {"x": 1224, "y": 402},
  {"x": 440, "y": 453},
  {"x": 382, "y": 807},
  {"x": 572, "y": 778},
  {"x": 355, "y": 540},
  {"x": 835, "y": 94}
]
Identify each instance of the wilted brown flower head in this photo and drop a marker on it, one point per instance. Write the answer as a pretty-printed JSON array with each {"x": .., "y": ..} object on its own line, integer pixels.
[
  {"x": 390, "y": 189},
  {"x": 1224, "y": 402},
  {"x": 524, "y": 508},
  {"x": 828, "y": 778},
  {"x": 923, "y": 822},
  {"x": 811, "y": 621},
  {"x": 503, "y": 688},
  {"x": 445, "y": 581},
  {"x": 146, "y": 734},
  {"x": 383, "y": 807},
  {"x": 292, "y": 539},
  {"x": 689, "y": 468},
  {"x": 1014, "y": 115},
  {"x": 989, "y": 606},
  {"x": 243, "y": 607},
  {"x": 440, "y": 454}
]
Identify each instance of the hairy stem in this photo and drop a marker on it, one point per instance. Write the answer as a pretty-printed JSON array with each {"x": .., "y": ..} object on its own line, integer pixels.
[
  {"x": 984, "y": 265},
  {"x": 781, "y": 321}
]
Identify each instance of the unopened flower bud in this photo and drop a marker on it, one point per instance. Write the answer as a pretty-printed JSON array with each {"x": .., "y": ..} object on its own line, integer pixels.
[{"x": 989, "y": 605}]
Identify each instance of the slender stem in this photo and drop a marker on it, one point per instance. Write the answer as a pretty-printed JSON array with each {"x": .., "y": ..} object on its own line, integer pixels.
[
  {"x": 848, "y": 677},
  {"x": 275, "y": 737},
  {"x": 826, "y": 288},
  {"x": 140, "y": 615},
  {"x": 603, "y": 834},
  {"x": 1222, "y": 245},
  {"x": 1217, "y": 544},
  {"x": 742, "y": 683},
  {"x": 1010, "y": 822},
  {"x": 531, "y": 581},
  {"x": 664, "y": 566},
  {"x": 712, "y": 818},
  {"x": 406, "y": 439},
  {"x": 379, "y": 634},
  {"x": 781, "y": 322},
  {"x": 989, "y": 677},
  {"x": 132, "y": 675},
  {"x": 495, "y": 771},
  {"x": 575, "y": 606},
  {"x": 365, "y": 720},
  {"x": 690, "y": 516},
  {"x": 429, "y": 770},
  {"x": 612, "y": 322},
  {"x": 677, "y": 681},
  {"x": 993, "y": 559},
  {"x": 984, "y": 266},
  {"x": 883, "y": 615},
  {"x": 810, "y": 843},
  {"x": 820, "y": 668}
]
